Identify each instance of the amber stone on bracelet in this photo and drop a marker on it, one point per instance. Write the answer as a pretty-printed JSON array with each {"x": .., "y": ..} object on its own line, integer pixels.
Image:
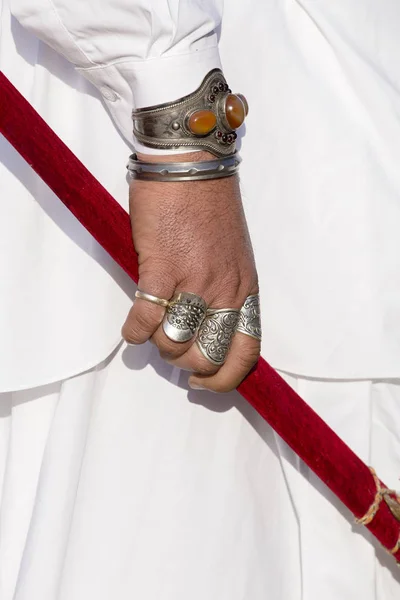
[
  {"x": 235, "y": 111},
  {"x": 245, "y": 103},
  {"x": 202, "y": 122}
]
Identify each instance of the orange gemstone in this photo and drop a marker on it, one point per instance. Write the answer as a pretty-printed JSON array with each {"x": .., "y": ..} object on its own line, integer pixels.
[
  {"x": 234, "y": 111},
  {"x": 202, "y": 122},
  {"x": 246, "y": 104}
]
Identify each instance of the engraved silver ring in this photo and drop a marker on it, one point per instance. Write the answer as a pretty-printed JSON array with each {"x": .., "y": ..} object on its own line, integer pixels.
[
  {"x": 183, "y": 317},
  {"x": 250, "y": 317},
  {"x": 216, "y": 332}
]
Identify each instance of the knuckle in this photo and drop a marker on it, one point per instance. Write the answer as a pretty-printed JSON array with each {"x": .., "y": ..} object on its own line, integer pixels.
[
  {"x": 140, "y": 325},
  {"x": 159, "y": 274},
  {"x": 169, "y": 355},
  {"x": 144, "y": 321},
  {"x": 203, "y": 366},
  {"x": 168, "y": 350},
  {"x": 197, "y": 278},
  {"x": 234, "y": 286},
  {"x": 224, "y": 289},
  {"x": 247, "y": 360},
  {"x": 229, "y": 284},
  {"x": 248, "y": 285},
  {"x": 131, "y": 335}
]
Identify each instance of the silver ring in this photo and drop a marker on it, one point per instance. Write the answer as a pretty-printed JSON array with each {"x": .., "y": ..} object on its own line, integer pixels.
[
  {"x": 216, "y": 332},
  {"x": 153, "y": 299},
  {"x": 184, "y": 316},
  {"x": 250, "y": 317}
]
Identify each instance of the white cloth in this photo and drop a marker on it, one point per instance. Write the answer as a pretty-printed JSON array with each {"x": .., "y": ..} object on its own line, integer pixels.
[
  {"x": 114, "y": 485},
  {"x": 117, "y": 483},
  {"x": 58, "y": 288},
  {"x": 137, "y": 52},
  {"x": 319, "y": 177}
]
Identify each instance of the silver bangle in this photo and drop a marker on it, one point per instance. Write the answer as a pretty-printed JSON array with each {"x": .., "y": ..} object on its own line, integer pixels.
[
  {"x": 206, "y": 119},
  {"x": 184, "y": 171}
]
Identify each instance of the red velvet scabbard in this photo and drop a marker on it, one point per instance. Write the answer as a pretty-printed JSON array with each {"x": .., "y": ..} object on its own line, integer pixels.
[{"x": 301, "y": 428}]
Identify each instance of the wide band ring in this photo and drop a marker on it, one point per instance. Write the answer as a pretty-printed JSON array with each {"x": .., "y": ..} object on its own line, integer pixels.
[
  {"x": 216, "y": 333},
  {"x": 250, "y": 317},
  {"x": 153, "y": 299},
  {"x": 183, "y": 317}
]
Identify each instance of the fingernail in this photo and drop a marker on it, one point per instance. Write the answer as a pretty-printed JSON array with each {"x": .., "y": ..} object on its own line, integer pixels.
[{"x": 196, "y": 386}]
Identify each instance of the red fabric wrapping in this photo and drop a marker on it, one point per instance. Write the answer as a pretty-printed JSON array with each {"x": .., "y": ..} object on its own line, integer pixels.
[{"x": 303, "y": 430}]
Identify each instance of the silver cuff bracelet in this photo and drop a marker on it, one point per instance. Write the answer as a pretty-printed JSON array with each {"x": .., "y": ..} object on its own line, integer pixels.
[
  {"x": 184, "y": 171},
  {"x": 206, "y": 119}
]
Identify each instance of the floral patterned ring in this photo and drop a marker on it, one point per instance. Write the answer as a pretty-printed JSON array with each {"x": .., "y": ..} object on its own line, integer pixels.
[{"x": 216, "y": 333}]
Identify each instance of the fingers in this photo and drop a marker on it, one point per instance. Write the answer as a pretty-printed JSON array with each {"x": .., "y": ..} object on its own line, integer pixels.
[
  {"x": 243, "y": 356},
  {"x": 190, "y": 338},
  {"x": 218, "y": 322},
  {"x": 178, "y": 330},
  {"x": 192, "y": 360},
  {"x": 145, "y": 317},
  {"x": 226, "y": 336},
  {"x": 213, "y": 341}
]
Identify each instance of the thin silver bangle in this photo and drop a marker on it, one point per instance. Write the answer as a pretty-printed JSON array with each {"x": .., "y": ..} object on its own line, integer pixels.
[{"x": 184, "y": 171}]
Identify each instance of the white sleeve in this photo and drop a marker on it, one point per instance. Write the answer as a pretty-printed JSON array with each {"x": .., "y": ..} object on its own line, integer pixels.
[{"x": 136, "y": 52}]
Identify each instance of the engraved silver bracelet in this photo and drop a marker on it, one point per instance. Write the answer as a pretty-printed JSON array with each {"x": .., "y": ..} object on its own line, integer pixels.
[
  {"x": 184, "y": 171},
  {"x": 206, "y": 119}
]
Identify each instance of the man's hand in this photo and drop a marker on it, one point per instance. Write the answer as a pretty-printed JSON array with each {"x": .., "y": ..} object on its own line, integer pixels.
[{"x": 192, "y": 237}]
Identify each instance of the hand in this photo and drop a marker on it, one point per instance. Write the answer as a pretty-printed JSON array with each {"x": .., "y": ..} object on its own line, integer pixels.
[{"x": 192, "y": 236}]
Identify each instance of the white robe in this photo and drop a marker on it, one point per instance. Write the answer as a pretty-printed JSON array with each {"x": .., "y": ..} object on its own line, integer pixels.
[
  {"x": 117, "y": 483},
  {"x": 120, "y": 483}
]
